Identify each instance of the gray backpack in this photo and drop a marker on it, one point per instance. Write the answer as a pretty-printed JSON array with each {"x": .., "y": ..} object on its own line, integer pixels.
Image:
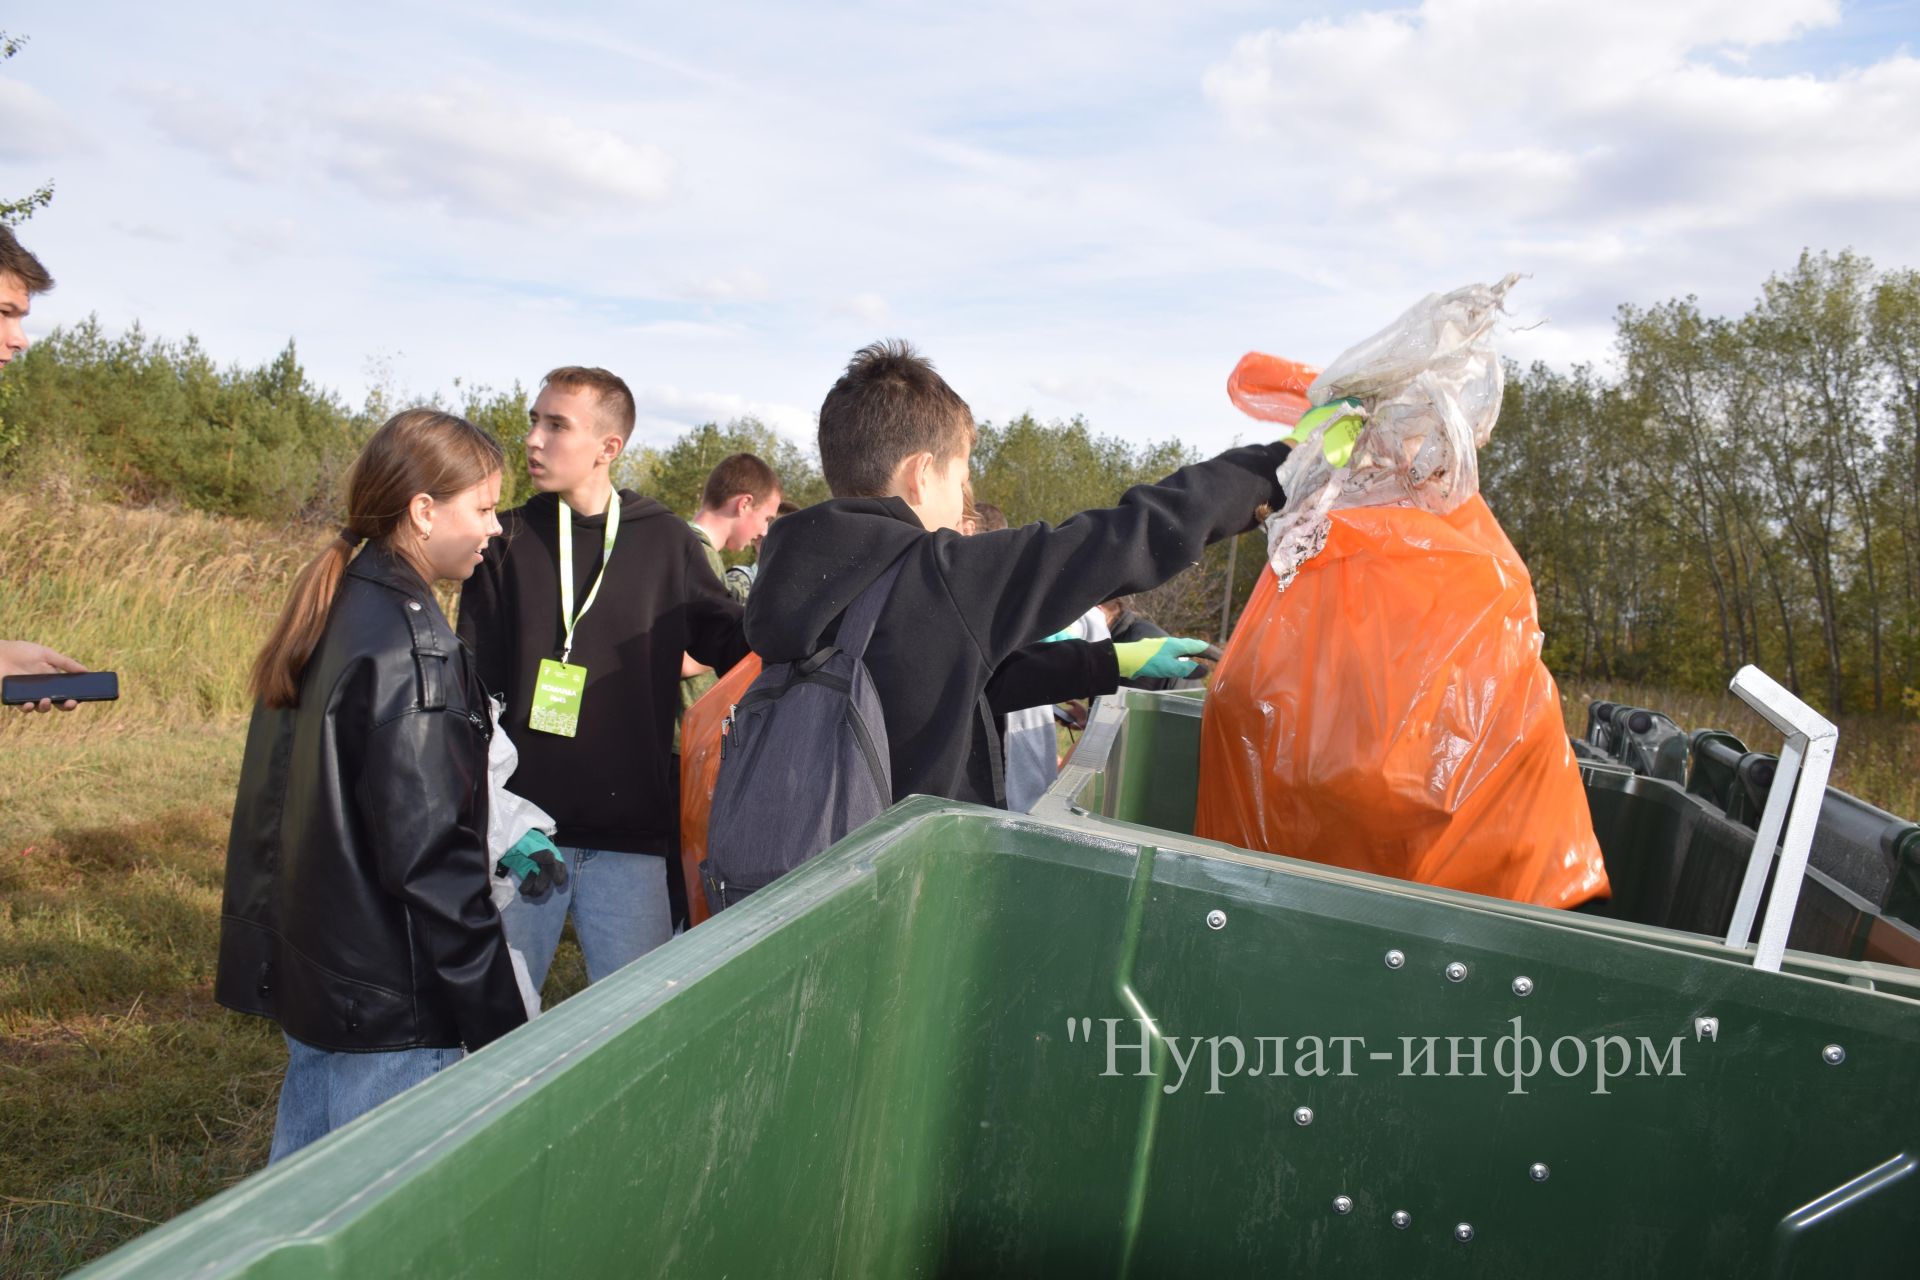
[{"x": 803, "y": 760}]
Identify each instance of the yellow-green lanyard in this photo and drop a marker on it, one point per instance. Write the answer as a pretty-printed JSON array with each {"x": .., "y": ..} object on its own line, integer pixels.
[{"x": 567, "y": 615}]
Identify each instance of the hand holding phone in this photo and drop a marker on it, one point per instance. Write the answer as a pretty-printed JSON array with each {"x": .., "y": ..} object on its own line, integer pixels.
[{"x": 23, "y": 665}]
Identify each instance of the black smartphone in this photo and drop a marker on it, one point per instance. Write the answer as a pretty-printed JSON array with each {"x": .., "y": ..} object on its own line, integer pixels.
[{"x": 62, "y": 686}]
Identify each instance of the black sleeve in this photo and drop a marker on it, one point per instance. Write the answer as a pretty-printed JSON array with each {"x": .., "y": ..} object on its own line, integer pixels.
[
  {"x": 429, "y": 855},
  {"x": 1053, "y": 671},
  {"x": 716, "y": 630},
  {"x": 1016, "y": 585},
  {"x": 486, "y": 624}
]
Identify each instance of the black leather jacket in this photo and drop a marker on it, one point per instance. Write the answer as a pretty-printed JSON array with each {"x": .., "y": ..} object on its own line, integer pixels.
[{"x": 356, "y": 911}]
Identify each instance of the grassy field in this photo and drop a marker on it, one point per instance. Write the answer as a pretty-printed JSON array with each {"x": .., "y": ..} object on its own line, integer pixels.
[{"x": 126, "y": 1095}]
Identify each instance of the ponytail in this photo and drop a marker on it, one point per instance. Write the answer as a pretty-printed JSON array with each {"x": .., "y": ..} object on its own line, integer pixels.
[
  {"x": 276, "y": 671},
  {"x": 417, "y": 451}
]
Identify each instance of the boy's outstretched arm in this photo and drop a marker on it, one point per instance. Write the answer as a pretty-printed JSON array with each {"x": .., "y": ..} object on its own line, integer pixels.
[
  {"x": 1016, "y": 585},
  {"x": 1053, "y": 671}
]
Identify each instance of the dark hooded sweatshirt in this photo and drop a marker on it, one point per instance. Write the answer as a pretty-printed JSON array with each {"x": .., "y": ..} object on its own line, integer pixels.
[
  {"x": 609, "y": 787},
  {"x": 963, "y": 606}
]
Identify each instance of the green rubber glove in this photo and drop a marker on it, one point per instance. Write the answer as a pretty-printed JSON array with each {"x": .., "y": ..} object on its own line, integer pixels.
[
  {"x": 535, "y": 863},
  {"x": 1160, "y": 658}
]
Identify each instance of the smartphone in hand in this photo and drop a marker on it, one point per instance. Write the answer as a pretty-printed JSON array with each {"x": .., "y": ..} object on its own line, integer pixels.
[{"x": 63, "y": 686}]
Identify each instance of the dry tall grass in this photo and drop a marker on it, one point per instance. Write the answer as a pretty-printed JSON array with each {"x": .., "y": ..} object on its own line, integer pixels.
[
  {"x": 126, "y": 1095},
  {"x": 1877, "y": 759},
  {"x": 176, "y": 602}
]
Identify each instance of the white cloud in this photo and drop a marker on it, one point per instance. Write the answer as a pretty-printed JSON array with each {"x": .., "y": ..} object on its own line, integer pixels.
[
  {"x": 664, "y": 411},
  {"x": 148, "y": 231},
  {"x": 1518, "y": 110},
  {"x": 688, "y": 330},
  {"x": 243, "y": 143},
  {"x": 470, "y": 153},
  {"x": 36, "y": 129},
  {"x": 870, "y": 307},
  {"x": 740, "y": 285},
  {"x": 455, "y": 150}
]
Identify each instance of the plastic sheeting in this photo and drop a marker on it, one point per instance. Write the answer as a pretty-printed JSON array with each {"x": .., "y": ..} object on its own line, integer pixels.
[
  {"x": 700, "y": 769},
  {"x": 509, "y": 817},
  {"x": 1382, "y": 704}
]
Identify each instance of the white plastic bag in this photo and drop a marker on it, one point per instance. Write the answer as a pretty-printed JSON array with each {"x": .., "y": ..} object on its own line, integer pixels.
[
  {"x": 1429, "y": 386},
  {"x": 509, "y": 817}
]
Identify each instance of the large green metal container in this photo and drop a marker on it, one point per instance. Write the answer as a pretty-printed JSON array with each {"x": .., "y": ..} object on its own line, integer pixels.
[{"x": 916, "y": 1056}]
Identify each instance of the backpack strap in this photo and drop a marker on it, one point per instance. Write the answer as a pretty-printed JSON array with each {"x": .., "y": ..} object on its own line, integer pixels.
[
  {"x": 856, "y": 625},
  {"x": 996, "y": 763}
]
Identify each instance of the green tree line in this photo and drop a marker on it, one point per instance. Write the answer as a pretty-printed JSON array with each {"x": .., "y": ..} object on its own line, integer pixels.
[
  {"x": 1747, "y": 489},
  {"x": 1742, "y": 489},
  {"x": 139, "y": 420}
]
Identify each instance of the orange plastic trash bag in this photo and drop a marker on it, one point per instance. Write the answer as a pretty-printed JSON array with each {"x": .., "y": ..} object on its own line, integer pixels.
[
  {"x": 1383, "y": 705},
  {"x": 1389, "y": 712},
  {"x": 700, "y": 769}
]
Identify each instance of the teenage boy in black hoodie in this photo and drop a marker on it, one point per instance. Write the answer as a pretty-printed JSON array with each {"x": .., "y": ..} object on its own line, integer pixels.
[
  {"x": 894, "y": 444},
  {"x": 598, "y": 760}
]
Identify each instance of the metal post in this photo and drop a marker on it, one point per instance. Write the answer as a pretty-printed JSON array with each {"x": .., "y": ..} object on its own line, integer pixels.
[{"x": 1799, "y": 788}]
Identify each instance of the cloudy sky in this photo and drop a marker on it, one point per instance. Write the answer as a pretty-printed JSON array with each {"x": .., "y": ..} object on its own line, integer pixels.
[{"x": 1073, "y": 207}]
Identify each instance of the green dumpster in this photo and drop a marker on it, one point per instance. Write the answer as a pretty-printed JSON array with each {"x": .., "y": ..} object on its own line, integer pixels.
[{"x": 1086, "y": 1043}]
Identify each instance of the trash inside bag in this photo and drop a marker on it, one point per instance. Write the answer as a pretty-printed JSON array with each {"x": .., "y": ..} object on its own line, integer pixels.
[
  {"x": 1382, "y": 704},
  {"x": 700, "y": 731},
  {"x": 1427, "y": 390}
]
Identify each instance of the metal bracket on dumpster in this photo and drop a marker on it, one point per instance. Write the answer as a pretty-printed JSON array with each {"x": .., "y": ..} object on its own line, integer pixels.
[{"x": 1793, "y": 803}]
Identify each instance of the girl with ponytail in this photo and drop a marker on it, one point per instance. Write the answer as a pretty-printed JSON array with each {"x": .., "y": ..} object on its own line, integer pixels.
[{"x": 356, "y": 912}]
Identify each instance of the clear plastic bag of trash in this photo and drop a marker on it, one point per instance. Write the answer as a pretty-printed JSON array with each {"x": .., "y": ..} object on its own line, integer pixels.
[{"x": 1425, "y": 392}]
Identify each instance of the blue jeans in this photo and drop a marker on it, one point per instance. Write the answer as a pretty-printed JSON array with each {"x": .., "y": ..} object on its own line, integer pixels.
[
  {"x": 619, "y": 905},
  {"x": 323, "y": 1089}
]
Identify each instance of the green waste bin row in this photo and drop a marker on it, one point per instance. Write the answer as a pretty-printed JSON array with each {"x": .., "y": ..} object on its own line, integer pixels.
[{"x": 1085, "y": 1043}]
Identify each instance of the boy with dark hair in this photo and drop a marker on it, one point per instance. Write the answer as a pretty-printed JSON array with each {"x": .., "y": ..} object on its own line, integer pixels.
[
  {"x": 21, "y": 277},
  {"x": 894, "y": 444},
  {"x": 579, "y": 617},
  {"x": 741, "y": 497}
]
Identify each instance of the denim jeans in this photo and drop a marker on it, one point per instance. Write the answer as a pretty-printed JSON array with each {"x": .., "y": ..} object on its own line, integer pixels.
[
  {"x": 620, "y": 912},
  {"x": 323, "y": 1089}
]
